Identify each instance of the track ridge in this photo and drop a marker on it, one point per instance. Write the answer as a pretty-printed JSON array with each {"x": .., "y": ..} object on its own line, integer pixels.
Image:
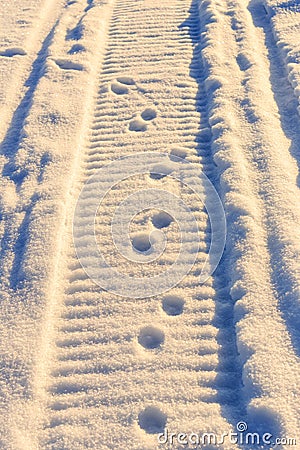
[
  {"x": 283, "y": 253},
  {"x": 224, "y": 314},
  {"x": 285, "y": 269},
  {"x": 259, "y": 179}
]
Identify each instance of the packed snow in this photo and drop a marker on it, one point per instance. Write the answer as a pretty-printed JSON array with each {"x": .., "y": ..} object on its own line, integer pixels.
[{"x": 149, "y": 224}]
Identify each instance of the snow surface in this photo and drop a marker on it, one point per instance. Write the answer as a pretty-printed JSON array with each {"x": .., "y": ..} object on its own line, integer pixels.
[{"x": 216, "y": 84}]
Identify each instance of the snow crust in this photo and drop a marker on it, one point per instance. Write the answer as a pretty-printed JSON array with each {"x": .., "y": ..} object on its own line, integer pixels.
[{"x": 212, "y": 82}]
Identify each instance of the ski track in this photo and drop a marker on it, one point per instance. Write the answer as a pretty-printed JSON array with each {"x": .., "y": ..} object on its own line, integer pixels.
[
  {"x": 32, "y": 49},
  {"x": 13, "y": 121},
  {"x": 11, "y": 169},
  {"x": 284, "y": 276},
  {"x": 97, "y": 376}
]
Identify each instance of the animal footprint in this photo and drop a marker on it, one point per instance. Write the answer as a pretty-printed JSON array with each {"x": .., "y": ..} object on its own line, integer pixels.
[
  {"x": 152, "y": 420},
  {"x": 121, "y": 85},
  {"x": 126, "y": 80},
  {"x": 138, "y": 125},
  {"x": 162, "y": 220},
  {"x": 119, "y": 88},
  {"x": 151, "y": 337},
  {"x": 141, "y": 243},
  {"x": 148, "y": 114},
  {"x": 173, "y": 305}
]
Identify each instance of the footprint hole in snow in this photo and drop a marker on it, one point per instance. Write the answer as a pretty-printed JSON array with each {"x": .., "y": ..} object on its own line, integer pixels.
[
  {"x": 65, "y": 64},
  {"x": 160, "y": 171},
  {"x": 151, "y": 337},
  {"x": 46, "y": 159},
  {"x": 126, "y": 80},
  {"x": 262, "y": 419},
  {"x": 152, "y": 420},
  {"x": 243, "y": 62},
  {"x": 177, "y": 154},
  {"x": 10, "y": 52},
  {"x": 173, "y": 305},
  {"x": 76, "y": 48},
  {"x": 137, "y": 125},
  {"x": 162, "y": 220},
  {"x": 141, "y": 243},
  {"x": 75, "y": 34},
  {"x": 148, "y": 114},
  {"x": 119, "y": 89},
  {"x": 16, "y": 174}
]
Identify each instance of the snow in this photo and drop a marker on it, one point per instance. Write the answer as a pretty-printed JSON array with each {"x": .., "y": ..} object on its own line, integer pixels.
[{"x": 196, "y": 98}]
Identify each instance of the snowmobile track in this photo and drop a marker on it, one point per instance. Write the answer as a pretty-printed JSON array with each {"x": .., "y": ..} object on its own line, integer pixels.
[{"x": 98, "y": 354}]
